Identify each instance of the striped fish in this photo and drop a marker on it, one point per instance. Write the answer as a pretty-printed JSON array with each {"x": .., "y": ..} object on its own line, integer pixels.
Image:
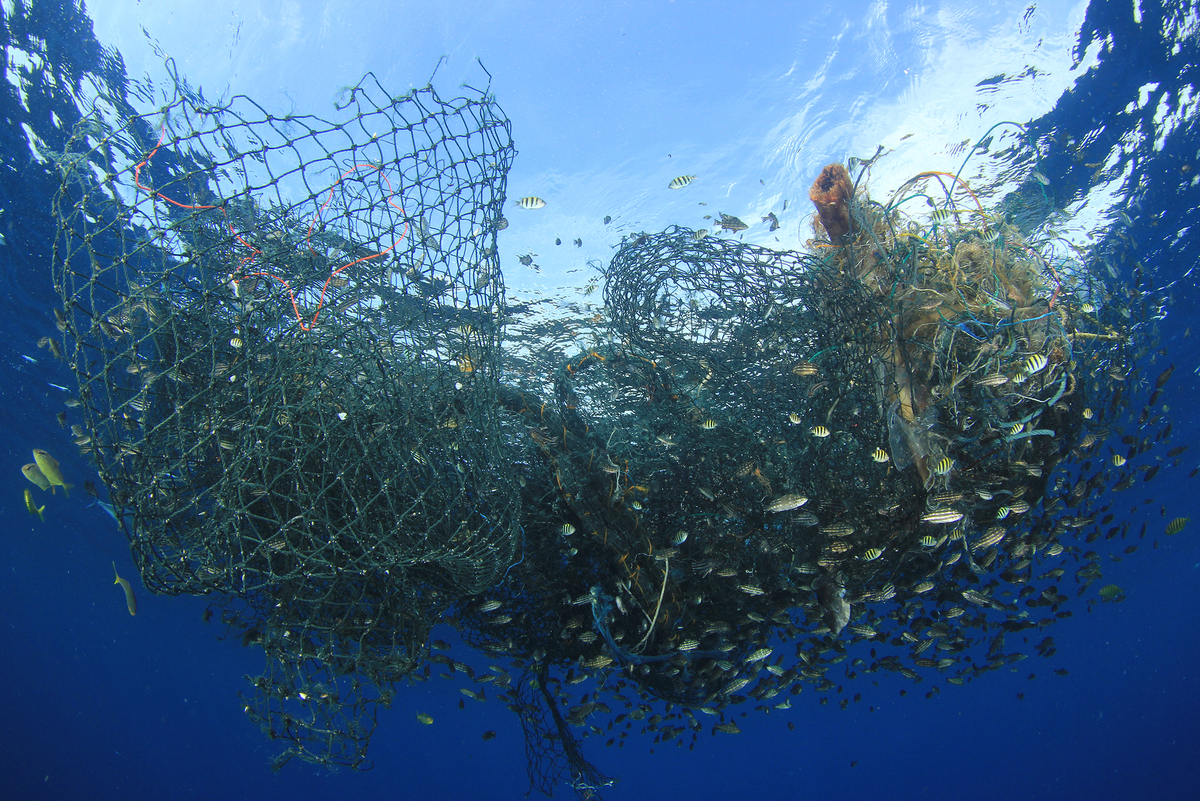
[
  {"x": 758, "y": 655},
  {"x": 990, "y": 537},
  {"x": 943, "y": 517},
  {"x": 785, "y": 503},
  {"x": 1035, "y": 363},
  {"x": 531, "y": 202},
  {"x": 805, "y": 519},
  {"x": 681, "y": 182}
]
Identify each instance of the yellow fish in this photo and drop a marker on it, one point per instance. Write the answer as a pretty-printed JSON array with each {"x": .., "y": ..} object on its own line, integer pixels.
[
  {"x": 33, "y": 508},
  {"x": 423, "y": 718},
  {"x": 31, "y": 472},
  {"x": 49, "y": 467},
  {"x": 130, "y": 601}
]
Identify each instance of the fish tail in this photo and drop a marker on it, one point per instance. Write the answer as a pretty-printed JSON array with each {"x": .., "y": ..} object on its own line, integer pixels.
[
  {"x": 39, "y": 514},
  {"x": 67, "y": 487}
]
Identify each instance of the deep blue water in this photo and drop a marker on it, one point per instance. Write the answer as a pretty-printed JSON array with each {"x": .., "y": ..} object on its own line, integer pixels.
[{"x": 99, "y": 704}]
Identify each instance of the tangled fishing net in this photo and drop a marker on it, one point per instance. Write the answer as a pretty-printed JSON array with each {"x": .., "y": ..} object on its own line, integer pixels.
[
  {"x": 285, "y": 335},
  {"x": 287, "y": 338}
]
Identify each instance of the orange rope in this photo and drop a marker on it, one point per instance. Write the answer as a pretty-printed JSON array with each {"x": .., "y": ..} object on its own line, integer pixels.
[{"x": 255, "y": 252}]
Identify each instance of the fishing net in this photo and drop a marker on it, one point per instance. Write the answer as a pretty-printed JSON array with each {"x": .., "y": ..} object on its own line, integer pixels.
[
  {"x": 775, "y": 447},
  {"x": 285, "y": 332},
  {"x": 287, "y": 341}
]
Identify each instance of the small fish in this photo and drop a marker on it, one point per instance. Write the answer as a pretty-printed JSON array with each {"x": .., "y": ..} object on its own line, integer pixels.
[
  {"x": 567, "y": 529},
  {"x": 34, "y": 509},
  {"x": 993, "y": 380},
  {"x": 942, "y": 215},
  {"x": 1034, "y": 364},
  {"x": 489, "y": 735},
  {"x": 1041, "y": 179},
  {"x": 1087, "y": 308},
  {"x": 1003, "y": 512},
  {"x": 531, "y": 202},
  {"x": 805, "y": 369},
  {"x": 130, "y": 601},
  {"x": 727, "y": 728},
  {"x": 773, "y": 220},
  {"x": 990, "y": 537},
  {"x": 1163, "y": 377},
  {"x": 489, "y": 606},
  {"x": 1174, "y": 527},
  {"x": 578, "y": 244},
  {"x": 1088, "y": 414},
  {"x": 794, "y": 418},
  {"x": 557, "y": 240},
  {"x": 108, "y": 508},
  {"x": 758, "y": 655},
  {"x": 928, "y": 542},
  {"x": 879, "y": 455},
  {"x": 786, "y": 503},
  {"x": 501, "y": 223},
  {"x": 729, "y": 223},
  {"x": 424, "y": 719},
  {"x": 49, "y": 467},
  {"x": 923, "y": 587},
  {"x": 709, "y": 425},
  {"x": 607, "y": 219},
  {"x": 1111, "y": 592},
  {"x": 1118, "y": 460},
  {"x": 943, "y": 466},
  {"x": 943, "y": 517},
  {"x": 837, "y": 530},
  {"x": 819, "y": 431},
  {"x": 699, "y": 234},
  {"x": 681, "y": 182},
  {"x": 871, "y": 554},
  {"x": 31, "y": 472},
  {"x": 680, "y": 538}
]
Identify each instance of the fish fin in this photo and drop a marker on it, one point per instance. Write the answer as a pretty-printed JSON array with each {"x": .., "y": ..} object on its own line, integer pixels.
[
  {"x": 39, "y": 513},
  {"x": 66, "y": 488}
]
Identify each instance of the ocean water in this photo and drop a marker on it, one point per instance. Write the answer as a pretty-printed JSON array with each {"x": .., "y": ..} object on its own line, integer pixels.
[{"x": 608, "y": 103}]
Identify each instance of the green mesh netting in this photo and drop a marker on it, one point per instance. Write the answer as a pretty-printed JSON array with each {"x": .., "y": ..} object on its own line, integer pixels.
[
  {"x": 287, "y": 338},
  {"x": 285, "y": 333}
]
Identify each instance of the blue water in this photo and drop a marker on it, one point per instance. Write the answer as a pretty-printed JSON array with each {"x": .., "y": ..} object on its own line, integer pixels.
[{"x": 608, "y": 105}]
